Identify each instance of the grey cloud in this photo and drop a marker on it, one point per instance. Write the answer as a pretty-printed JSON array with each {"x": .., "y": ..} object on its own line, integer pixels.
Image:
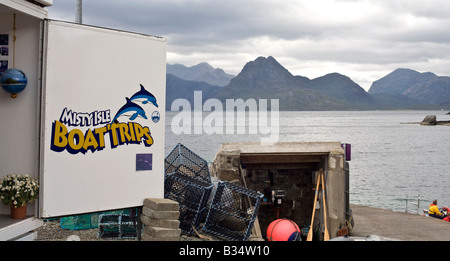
[{"x": 373, "y": 33}]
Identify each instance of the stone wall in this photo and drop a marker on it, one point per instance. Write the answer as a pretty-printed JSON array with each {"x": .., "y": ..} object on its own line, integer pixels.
[{"x": 295, "y": 184}]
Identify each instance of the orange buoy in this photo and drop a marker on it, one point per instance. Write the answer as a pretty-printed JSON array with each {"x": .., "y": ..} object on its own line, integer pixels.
[{"x": 283, "y": 230}]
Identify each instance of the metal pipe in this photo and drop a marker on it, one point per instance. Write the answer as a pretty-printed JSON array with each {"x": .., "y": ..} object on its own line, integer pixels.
[{"x": 79, "y": 13}]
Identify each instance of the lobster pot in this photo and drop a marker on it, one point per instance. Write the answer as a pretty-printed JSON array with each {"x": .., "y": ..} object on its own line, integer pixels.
[
  {"x": 184, "y": 161},
  {"x": 117, "y": 226},
  {"x": 233, "y": 211},
  {"x": 192, "y": 196},
  {"x": 88, "y": 221}
]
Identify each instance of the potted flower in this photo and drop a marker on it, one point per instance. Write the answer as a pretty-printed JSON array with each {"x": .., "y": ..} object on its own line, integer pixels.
[{"x": 17, "y": 191}]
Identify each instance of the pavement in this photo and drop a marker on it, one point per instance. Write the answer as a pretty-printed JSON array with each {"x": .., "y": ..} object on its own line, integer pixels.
[{"x": 390, "y": 225}]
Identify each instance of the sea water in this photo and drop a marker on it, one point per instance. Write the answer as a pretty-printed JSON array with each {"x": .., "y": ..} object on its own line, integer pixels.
[{"x": 393, "y": 158}]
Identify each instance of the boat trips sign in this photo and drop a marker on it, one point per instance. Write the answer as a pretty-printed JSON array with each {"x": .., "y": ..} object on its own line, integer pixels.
[
  {"x": 103, "y": 124},
  {"x": 100, "y": 124}
]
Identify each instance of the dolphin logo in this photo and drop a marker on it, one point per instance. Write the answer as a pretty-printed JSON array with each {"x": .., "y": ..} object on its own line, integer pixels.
[
  {"x": 144, "y": 94},
  {"x": 130, "y": 107}
]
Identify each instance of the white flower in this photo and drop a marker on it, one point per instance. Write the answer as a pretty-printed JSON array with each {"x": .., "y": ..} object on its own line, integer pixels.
[{"x": 18, "y": 189}]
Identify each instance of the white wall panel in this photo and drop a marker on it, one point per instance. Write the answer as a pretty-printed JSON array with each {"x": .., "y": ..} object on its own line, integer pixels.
[{"x": 91, "y": 71}]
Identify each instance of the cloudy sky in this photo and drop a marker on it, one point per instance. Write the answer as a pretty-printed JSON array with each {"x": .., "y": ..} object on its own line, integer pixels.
[{"x": 363, "y": 39}]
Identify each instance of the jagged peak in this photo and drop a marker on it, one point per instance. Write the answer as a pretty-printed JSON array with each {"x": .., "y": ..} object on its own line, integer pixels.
[{"x": 269, "y": 63}]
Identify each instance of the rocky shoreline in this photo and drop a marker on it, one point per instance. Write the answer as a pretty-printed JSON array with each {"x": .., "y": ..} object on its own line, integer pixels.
[{"x": 431, "y": 120}]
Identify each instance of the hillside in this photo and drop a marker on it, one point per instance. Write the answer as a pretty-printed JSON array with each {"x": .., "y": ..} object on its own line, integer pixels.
[
  {"x": 399, "y": 81},
  {"x": 178, "y": 88},
  {"x": 424, "y": 89},
  {"x": 434, "y": 91},
  {"x": 345, "y": 89}
]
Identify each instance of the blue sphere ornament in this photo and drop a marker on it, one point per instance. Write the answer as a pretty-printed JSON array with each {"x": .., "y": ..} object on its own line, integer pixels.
[{"x": 13, "y": 81}]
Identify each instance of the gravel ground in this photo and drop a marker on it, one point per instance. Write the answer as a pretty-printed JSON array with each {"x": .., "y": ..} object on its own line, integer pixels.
[{"x": 52, "y": 231}]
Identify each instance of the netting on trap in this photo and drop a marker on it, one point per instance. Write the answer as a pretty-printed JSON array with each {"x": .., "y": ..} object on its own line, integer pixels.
[
  {"x": 117, "y": 226},
  {"x": 87, "y": 221},
  {"x": 233, "y": 211},
  {"x": 192, "y": 196},
  {"x": 184, "y": 161}
]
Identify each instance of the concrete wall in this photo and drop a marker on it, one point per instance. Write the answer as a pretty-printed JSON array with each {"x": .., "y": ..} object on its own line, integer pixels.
[
  {"x": 295, "y": 177},
  {"x": 19, "y": 117},
  {"x": 335, "y": 180}
]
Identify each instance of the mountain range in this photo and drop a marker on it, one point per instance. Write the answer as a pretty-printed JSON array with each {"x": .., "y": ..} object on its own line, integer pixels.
[
  {"x": 266, "y": 78},
  {"x": 202, "y": 72}
]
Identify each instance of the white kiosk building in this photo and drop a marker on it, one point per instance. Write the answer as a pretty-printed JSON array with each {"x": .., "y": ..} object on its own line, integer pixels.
[{"x": 90, "y": 123}]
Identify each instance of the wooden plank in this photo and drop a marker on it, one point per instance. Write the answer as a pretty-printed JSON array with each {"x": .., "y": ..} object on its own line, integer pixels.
[{"x": 279, "y": 159}]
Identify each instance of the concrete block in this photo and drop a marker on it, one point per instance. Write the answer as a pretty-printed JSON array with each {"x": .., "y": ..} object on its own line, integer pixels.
[
  {"x": 162, "y": 232},
  {"x": 160, "y": 222},
  {"x": 161, "y": 204},
  {"x": 170, "y": 215}
]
